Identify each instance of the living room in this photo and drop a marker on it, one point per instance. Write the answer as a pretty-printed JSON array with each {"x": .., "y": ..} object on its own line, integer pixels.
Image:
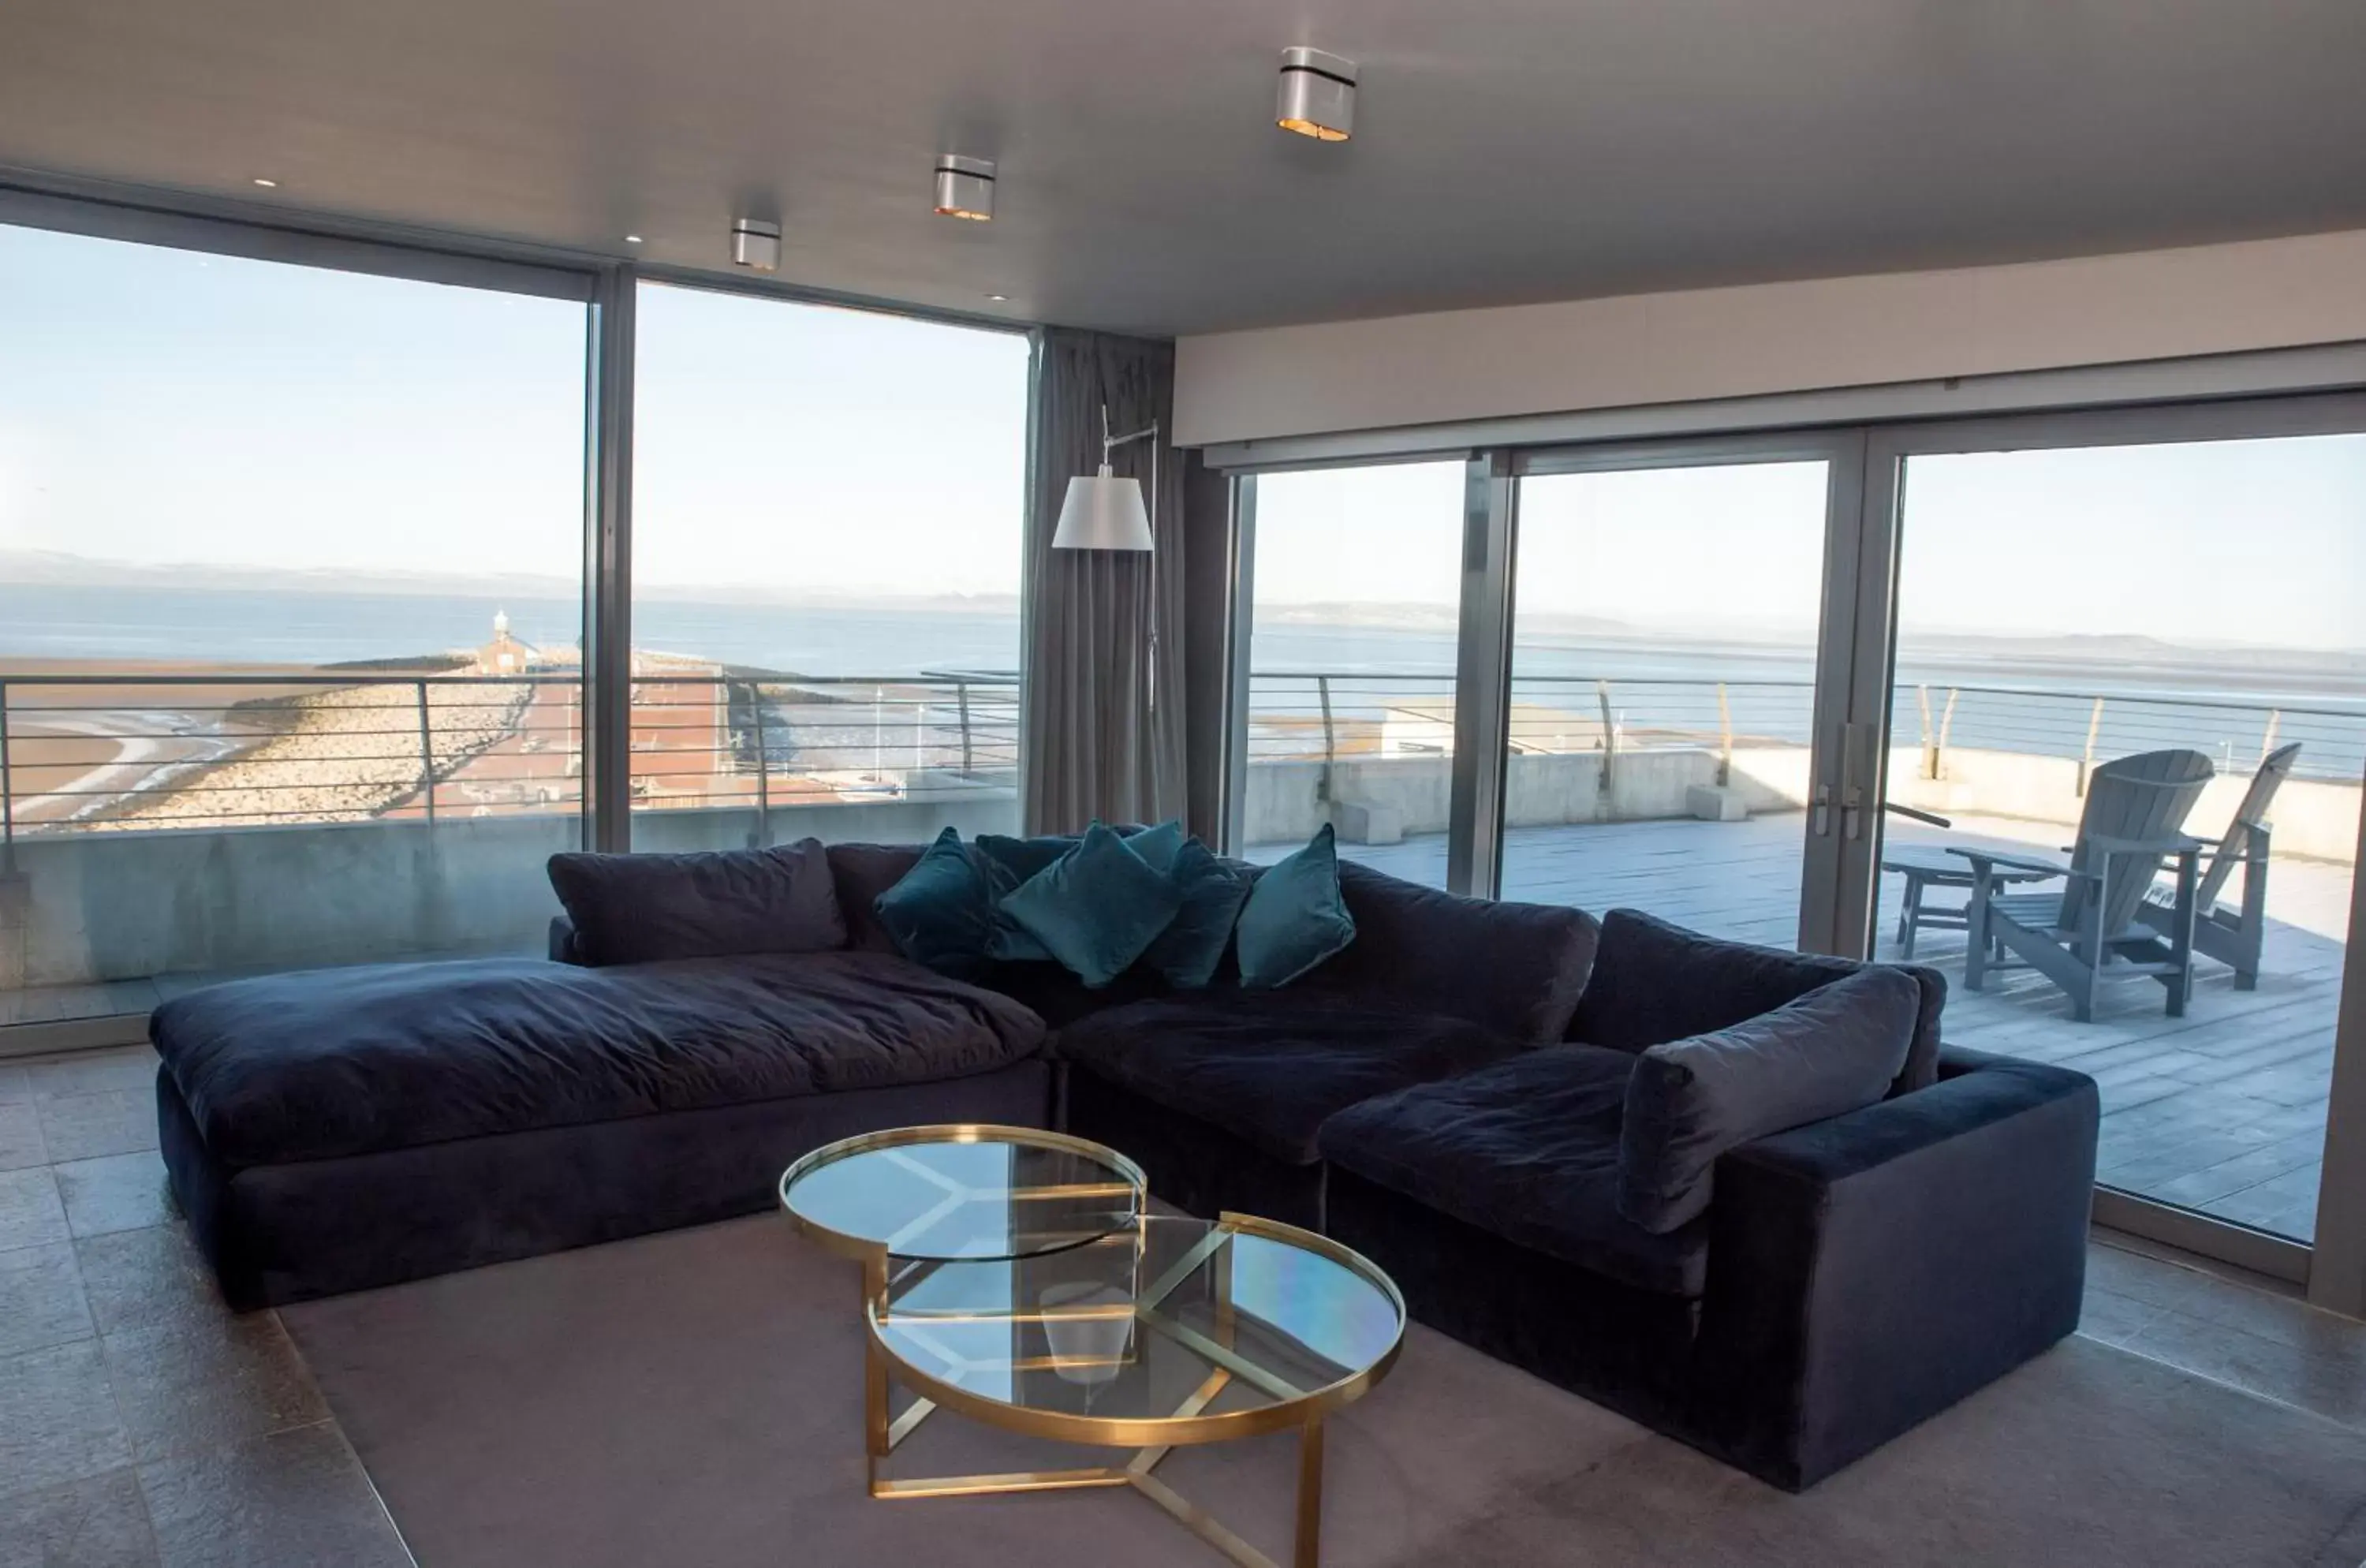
[{"x": 1374, "y": 787}]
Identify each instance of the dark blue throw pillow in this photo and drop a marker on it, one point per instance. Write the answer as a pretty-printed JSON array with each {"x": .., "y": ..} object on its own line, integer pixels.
[
  {"x": 1295, "y": 917},
  {"x": 1095, "y": 909},
  {"x": 1189, "y": 952},
  {"x": 1828, "y": 1053},
  {"x": 941, "y": 913}
]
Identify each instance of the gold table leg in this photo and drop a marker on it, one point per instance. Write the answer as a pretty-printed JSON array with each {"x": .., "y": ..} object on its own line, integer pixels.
[
  {"x": 885, "y": 1435},
  {"x": 1310, "y": 1495}
]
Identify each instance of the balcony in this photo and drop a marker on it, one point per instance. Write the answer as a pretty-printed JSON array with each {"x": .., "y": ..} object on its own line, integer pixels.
[
  {"x": 165, "y": 830},
  {"x": 2223, "y": 1109}
]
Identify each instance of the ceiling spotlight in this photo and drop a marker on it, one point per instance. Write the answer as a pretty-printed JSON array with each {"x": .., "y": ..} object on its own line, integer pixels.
[
  {"x": 1318, "y": 94},
  {"x": 268, "y": 185},
  {"x": 999, "y": 298},
  {"x": 965, "y": 187},
  {"x": 756, "y": 242},
  {"x": 632, "y": 239}
]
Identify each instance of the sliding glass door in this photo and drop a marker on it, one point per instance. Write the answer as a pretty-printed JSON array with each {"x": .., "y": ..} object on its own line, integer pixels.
[
  {"x": 2125, "y": 704},
  {"x": 2070, "y": 707},
  {"x": 1665, "y": 626}
]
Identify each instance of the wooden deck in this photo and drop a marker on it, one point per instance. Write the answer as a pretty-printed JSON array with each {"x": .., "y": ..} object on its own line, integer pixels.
[{"x": 2221, "y": 1111}]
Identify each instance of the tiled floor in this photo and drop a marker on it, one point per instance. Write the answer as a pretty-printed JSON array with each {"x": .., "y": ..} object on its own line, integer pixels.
[
  {"x": 2221, "y": 1111},
  {"x": 140, "y": 1422}
]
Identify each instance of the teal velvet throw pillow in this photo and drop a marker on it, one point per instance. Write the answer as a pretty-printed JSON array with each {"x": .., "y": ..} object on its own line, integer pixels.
[
  {"x": 1096, "y": 909},
  {"x": 1157, "y": 846},
  {"x": 1189, "y": 952},
  {"x": 1295, "y": 917},
  {"x": 942, "y": 912}
]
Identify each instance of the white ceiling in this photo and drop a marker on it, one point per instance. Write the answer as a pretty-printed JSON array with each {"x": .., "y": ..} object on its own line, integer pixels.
[{"x": 1504, "y": 150}]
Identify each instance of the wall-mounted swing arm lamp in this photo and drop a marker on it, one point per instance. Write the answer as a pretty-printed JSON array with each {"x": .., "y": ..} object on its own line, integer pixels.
[{"x": 1102, "y": 512}]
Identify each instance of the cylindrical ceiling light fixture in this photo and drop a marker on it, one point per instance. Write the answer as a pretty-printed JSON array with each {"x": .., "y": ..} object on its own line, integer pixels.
[
  {"x": 965, "y": 187},
  {"x": 756, "y": 244},
  {"x": 1317, "y": 96}
]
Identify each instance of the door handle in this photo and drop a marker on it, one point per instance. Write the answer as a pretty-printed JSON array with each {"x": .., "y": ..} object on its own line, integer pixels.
[
  {"x": 1854, "y": 769},
  {"x": 1819, "y": 801}
]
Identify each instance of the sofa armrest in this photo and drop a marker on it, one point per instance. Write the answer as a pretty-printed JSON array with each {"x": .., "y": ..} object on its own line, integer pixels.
[
  {"x": 563, "y": 946},
  {"x": 1867, "y": 1272}
]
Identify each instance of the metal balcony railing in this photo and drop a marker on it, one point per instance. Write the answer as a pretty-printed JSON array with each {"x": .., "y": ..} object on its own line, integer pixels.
[
  {"x": 134, "y": 752},
  {"x": 1334, "y": 716},
  {"x": 85, "y": 753}
]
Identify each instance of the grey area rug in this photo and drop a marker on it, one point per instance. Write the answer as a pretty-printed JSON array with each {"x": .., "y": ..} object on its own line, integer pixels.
[{"x": 694, "y": 1398}]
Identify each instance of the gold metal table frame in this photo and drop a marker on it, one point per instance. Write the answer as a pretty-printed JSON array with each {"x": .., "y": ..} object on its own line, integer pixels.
[{"x": 1150, "y": 1438}]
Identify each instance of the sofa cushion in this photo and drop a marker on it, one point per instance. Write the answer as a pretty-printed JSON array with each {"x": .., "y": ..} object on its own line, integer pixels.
[
  {"x": 1528, "y": 1150},
  {"x": 1054, "y": 995},
  {"x": 1832, "y": 1051},
  {"x": 1294, "y": 917},
  {"x": 1511, "y": 967},
  {"x": 1271, "y": 1065},
  {"x": 1191, "y": 949},
  {"x": 1655, "y": 982},
  {"x": 1096, "y": 909},
  {"x": 337, "y": 1062},
  {"x": 641, "y": 908},
  {"x": 941, "y": 913}
]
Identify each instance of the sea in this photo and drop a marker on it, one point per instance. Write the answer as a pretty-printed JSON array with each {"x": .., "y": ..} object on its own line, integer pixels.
[{"x": 2007, "y": 696}]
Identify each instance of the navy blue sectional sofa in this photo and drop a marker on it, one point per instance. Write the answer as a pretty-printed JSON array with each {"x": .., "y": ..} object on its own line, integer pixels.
[{"x": 1445, "y": 1095}]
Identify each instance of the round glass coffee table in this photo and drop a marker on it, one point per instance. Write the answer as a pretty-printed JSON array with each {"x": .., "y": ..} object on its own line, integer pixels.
[{"x": 1074, "y": 1323}]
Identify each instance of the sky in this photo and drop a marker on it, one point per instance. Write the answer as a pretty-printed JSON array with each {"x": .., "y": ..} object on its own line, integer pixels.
[
  {"x": 165, "y": 407},
  {"x": 2250, "y": 542}
]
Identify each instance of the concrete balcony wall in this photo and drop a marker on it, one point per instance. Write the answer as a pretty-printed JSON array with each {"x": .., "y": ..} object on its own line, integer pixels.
[
  {"x": 1284, "y": 801},
  {"x": 117, "y": 906},
  {"x": 98, "y": 907}
]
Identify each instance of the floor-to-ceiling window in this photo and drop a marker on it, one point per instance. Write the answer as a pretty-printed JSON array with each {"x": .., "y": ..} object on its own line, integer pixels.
[
  {"x": 290, "y": 607},
  {"x": 828, "y": 508},
  {"x": 1356, "y": 579}
]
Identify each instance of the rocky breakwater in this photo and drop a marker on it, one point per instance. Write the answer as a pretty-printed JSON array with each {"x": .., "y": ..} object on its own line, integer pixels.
[{"x": 333, "y": 756}]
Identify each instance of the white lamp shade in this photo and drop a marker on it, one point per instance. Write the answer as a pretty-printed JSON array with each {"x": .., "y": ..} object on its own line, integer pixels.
[{"x": 1102, "y": 513}]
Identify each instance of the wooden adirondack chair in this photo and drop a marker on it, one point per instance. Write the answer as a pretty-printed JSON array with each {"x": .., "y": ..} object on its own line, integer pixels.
[
  {"x": 2089, "y": 931},
  {"x": 2234, "y": 936}
]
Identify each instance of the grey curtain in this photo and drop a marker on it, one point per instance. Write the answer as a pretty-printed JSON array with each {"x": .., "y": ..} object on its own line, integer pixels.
[{"x": 1104, "y": 699}]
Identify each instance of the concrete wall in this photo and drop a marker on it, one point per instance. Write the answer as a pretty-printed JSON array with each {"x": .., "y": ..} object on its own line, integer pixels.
[
  {"x": 98, "y": 907},
  {"x": 1758, "y": 339},
  {"x": 122, "y": 906},
  {"x": 1540, "y": 791}
]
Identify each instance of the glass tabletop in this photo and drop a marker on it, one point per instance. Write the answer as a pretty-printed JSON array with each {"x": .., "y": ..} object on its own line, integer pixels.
[
  {"x": 1172, "y": 1330},
  {"x": 940, "y": 1193}
]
